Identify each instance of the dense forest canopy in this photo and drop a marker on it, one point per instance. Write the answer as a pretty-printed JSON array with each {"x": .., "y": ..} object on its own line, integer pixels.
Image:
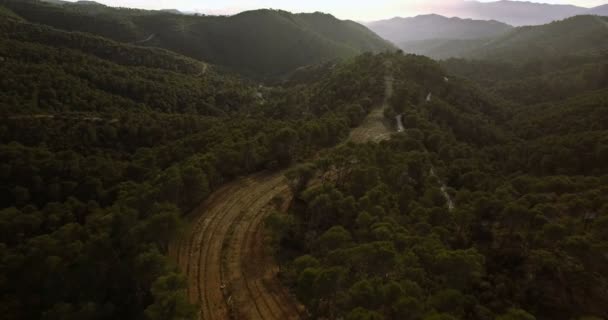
[
  {"x": 478, "y": 210},
  {"x": 105, "y": 146},
  {"x": 491, "y": 203}
]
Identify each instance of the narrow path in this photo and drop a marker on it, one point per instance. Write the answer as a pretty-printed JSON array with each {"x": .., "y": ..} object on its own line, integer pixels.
[
  {"x": 444, "y": 190},
  {"x": 443, "y": 187},
  {"x": 374, "y": 127},
  {"x": 223, "y": 254},
  {"x": 150, "y": 37},
  {"x": 399, "y": 119}
]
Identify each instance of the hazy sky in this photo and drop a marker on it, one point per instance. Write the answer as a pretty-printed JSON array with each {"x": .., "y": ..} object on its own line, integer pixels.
[{"x": 345, "y": 9}]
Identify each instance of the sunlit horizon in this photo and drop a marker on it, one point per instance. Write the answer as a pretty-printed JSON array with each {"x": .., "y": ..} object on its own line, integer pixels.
[{"x": 355, "y": 10}]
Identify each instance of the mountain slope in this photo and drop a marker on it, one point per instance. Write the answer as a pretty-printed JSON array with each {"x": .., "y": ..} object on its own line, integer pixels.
[
  {"x": 577, "y": 36},
  {"x": 580, "y": 35},
  {"x": 424, "y": 27},
  {"x": 84, "y": 73},
  {"x": 105, "y": 145},
  {"x": 258, "y": 43}
]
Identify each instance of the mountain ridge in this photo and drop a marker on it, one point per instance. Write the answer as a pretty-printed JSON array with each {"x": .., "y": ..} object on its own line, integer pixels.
[
  {"x": 433, "y": 26},
  {"x": 258, "y": 43},
  {"x": 577, "y": 36},
  {"x": 515, "y": 13}
]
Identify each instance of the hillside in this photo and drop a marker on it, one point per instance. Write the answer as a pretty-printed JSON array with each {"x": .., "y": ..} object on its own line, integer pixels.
[
  {"x": 105, "y": 146},
  {"x": 426, "y": 27},
  {"x": 140, "y": 183},
  {"x": 580, "y": 35},
  {"x": 534, "y": 64},
  {"x": 516, "y": 13},
  {"x": 577, "y": 36},
  {"x": 468, "y": 197},
  {"x": 261, "y": 43},
  {"x": 442, "y": 48}
]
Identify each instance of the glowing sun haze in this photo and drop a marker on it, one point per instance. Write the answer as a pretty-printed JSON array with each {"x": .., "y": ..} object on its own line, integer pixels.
[{"x": 363, "y": 10}]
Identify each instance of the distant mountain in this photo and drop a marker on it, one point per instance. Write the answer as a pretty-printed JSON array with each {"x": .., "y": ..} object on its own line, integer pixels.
[
  {"x": 579, "y": 36},
  {"x": 442, "y": 48},
  {"x": 55, "y": 1},
  {"x": 432, "y": 26},
  {"x": 174, "y": 11},
  {"x": 576, "y": 36},
  {"x": 599, "y": 10},
  {"x": 517, "y": 13},
  {"x": 261, "y": 43}
]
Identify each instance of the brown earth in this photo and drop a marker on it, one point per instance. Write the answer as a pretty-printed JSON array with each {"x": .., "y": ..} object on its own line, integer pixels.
[{"x": 375, "y": 127}]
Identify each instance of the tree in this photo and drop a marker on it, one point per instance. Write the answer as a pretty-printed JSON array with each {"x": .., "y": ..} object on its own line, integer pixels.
[
  {"x": 516, "y": 314},
  {"x": 408, "y": 308},
  {"x": 334, "y": 238},
  {"x": 170, "y": 300},
  {"x": 461, "y": 268},
  {"x": 299, "y": 177},
  {"x": 283, "y": 145},
  {"x": 363, "y": 314}
]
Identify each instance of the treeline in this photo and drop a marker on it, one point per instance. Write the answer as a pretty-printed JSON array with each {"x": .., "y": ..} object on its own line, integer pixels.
[{"x": 372, "y": 233}]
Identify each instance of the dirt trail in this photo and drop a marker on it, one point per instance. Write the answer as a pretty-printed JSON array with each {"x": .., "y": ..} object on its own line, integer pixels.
[
  {"x": 444, "y": 190},
  {"x": 150, "y": 37},
  {"x": 223, "y": 254},
  {"x": 374, "y": 128}
]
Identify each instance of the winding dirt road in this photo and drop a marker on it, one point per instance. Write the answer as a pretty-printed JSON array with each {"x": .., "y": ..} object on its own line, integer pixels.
[
  {"x": 230, "y": 274},
  {"x": 223, "y": 253}
]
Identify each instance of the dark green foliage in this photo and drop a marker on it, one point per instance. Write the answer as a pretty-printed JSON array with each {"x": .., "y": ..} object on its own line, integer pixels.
[
  {"x": 104, "y": 147},
  {"x": 577, "y": 36},
  {"x": 261, "y": 43},
  {"x": 522, "y": 242}
]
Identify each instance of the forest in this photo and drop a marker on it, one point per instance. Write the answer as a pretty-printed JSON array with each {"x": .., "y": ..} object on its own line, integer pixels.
[
  {"x": 97, "y": 171},
  {"x": 478, "y": 210},
  {"x": 492, "y": 203}
]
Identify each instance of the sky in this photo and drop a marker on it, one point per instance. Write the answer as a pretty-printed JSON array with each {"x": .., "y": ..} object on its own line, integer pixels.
[{"x": 360, "y": 10}]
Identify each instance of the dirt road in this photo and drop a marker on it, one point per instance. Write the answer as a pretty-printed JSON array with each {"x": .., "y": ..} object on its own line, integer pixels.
[
  {"x": 223, "y": 254},
  {"x": 374, "y": 127}
]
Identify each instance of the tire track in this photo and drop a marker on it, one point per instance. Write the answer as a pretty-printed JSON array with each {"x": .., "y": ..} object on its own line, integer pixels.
[
  {"x": 256, "y": 273},
  {"x": 229, "y": 212},
  {"x": 199, "y": 252}
]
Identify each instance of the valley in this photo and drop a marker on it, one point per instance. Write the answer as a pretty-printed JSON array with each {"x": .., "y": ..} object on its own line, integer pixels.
[{"x": 257, "y": 163}]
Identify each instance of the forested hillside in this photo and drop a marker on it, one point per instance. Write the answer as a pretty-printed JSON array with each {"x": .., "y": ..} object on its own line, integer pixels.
[
  {"x": 105, "y": 146},
  {"x": 261, "y": 43},
  {"x": 489, "y": 200},
  {"x": 538, "y": 64},
  {"x": 584, "y": 35},
  {"x": 477, "y": 210}
]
